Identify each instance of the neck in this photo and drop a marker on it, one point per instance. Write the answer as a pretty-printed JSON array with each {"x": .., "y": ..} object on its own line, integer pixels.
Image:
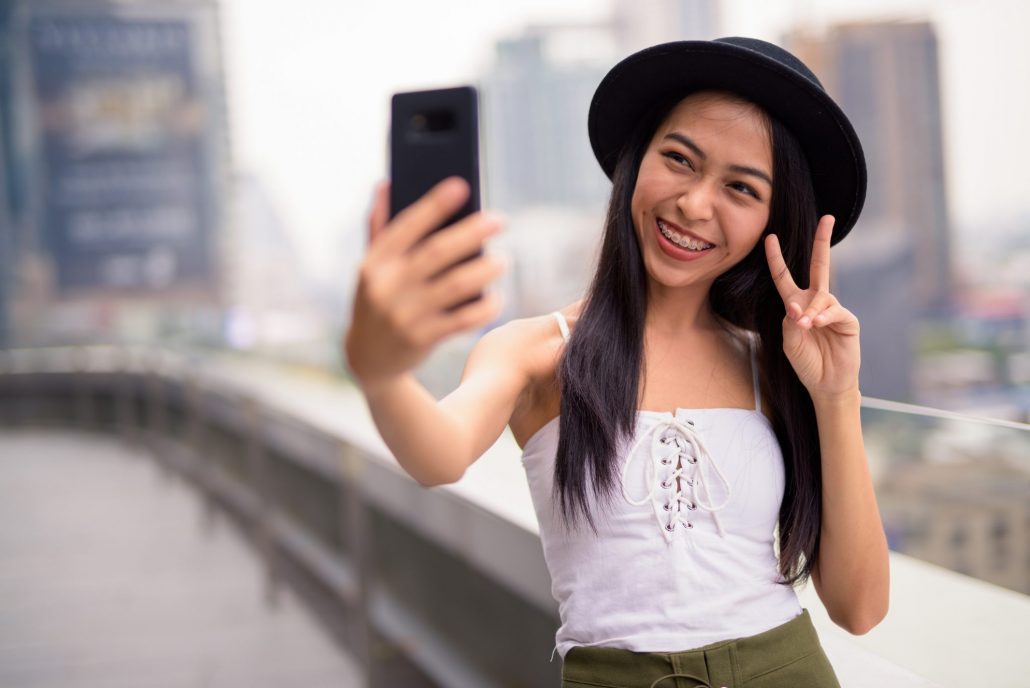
[{"x": 679, "y": 312}]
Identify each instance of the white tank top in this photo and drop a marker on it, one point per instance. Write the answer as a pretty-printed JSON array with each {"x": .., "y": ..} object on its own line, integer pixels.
[{"x": 684, "y": 553}]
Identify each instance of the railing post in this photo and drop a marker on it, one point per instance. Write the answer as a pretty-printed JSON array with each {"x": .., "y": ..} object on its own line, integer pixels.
[
  {"x": 355, "y": 530},
  {"x": 257, "y": 462},
  {"x": 194, "y": 436},
  {"x": 23, "y": 398},
  {"x": 156, "y": 412},
  {"x": 83, "y": 414},
  {"x": 195, "y": 428},
  {"x": 128, "y": 423}
]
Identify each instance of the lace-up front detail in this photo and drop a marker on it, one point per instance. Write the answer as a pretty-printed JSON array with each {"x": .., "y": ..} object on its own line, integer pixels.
[{"x": 679, "y": 471}]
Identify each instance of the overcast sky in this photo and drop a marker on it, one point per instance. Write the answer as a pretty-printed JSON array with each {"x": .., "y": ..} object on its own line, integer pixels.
[{"x": 309, "y": 85}]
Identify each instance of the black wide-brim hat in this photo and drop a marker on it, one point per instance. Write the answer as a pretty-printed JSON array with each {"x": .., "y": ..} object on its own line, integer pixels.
[{"x": 758, "y": 71}]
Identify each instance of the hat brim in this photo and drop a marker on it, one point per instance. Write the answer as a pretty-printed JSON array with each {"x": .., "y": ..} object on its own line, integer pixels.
[{"x": 665, "y": 72}]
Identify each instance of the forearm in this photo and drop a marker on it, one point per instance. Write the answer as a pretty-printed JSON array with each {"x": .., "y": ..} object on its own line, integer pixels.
[
  {"x": 853, "y": 578},
  {"x": 424, "y": 438}
]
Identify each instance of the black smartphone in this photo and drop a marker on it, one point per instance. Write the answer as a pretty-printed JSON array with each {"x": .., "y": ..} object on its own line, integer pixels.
[{"x": 433, "y": 135}]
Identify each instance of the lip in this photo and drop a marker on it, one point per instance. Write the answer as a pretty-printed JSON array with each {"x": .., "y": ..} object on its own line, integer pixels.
[{"x": 674, "y": 251}]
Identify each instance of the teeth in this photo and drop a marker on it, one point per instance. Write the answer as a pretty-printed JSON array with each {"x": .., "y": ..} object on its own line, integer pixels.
[{"x": 680, "y": 240}]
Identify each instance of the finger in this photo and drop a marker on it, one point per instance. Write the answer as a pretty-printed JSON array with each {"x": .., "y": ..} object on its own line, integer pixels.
[
  {"x": 380, "y": 212},
  {"x": 819, "y": 272},
  {"x": 838, "y": 318},
  {"x": 477, "y": 314},
  {"x": 463, "y": 281},
  {"x": 445, "y": 248},
  {"x": 794, "y": 310},
  {"x": 820, "y": 302},
  {"x": 781, "y": 276},
  {"x": 424, "y": 215}
]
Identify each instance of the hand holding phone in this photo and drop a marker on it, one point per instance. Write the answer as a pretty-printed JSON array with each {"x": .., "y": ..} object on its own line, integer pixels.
[
  {"x": 409, "y": 276},
  {"x": 424, "y": 275}
]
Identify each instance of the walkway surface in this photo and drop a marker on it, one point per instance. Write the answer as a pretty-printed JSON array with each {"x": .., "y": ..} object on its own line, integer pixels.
[{"x": 113, "y": 573}]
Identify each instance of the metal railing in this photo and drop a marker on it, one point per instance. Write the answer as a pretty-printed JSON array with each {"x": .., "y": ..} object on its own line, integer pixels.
[
  {"x": 403, "y": 578},
  {"x": 441, "y": 586}
]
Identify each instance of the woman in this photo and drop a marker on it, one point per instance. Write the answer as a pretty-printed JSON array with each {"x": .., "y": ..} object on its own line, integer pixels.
[{"x": 703, "y": 394}]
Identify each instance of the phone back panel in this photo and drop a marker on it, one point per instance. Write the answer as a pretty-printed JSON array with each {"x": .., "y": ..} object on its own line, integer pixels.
[{"x": 433, "y": 134}]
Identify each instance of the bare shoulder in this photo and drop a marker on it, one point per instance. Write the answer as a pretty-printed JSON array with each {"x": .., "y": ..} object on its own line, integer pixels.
[
  {"x": 531, "y": 343},
  {"x": 540, "y": 342},
  {"x": 500, "y": 380},
  {"x": 545, "y": 342}
]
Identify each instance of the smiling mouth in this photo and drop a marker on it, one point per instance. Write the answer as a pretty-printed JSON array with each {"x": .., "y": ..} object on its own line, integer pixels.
[{"x": 681, "y": 240}]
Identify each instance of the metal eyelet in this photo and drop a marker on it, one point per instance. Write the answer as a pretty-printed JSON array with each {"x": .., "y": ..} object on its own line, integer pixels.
[
  {"x": 691, "y": 506},
  {"x": 689, "y": 524},
  {"x": 690, "y": 422},
  {"x": 690, "y": 481},
  {"x": 666, "y": 484},
  {"x": 666, "y": 461},
  {"x": 667, "y": 507},
  {"x": 692, "y": 459},
  {"x": 670, "y": 527}
]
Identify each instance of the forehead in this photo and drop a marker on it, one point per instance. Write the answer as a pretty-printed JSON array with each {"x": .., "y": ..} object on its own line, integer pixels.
[{"x": 710, "y": 114}]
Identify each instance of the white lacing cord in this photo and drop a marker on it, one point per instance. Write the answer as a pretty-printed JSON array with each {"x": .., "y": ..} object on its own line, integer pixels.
[{"x": 702, "y": 458}]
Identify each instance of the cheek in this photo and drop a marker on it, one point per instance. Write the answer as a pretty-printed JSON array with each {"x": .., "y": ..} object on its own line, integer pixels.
[
  {"x": 635, "y": 204},
  {"x": 646, "y": 192},
  {"x": 639, "y": 205},
  {"x": 753, "y": 227}
]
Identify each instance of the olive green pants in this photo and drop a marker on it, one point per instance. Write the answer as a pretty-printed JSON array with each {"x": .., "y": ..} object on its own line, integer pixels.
[{"x": 787, "y": 656}]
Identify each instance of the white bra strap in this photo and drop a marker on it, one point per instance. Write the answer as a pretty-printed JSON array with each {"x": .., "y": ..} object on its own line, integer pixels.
[
  {"x": 751, "y": 345},
  {"x": 562, "y": 325}
]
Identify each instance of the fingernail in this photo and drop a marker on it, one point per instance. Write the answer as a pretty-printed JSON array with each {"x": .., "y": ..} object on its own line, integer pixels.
[
  {"x": 804, "y": 321},
  {"x": 492, "y": 220},
  {"x": 453, "y": 186}
]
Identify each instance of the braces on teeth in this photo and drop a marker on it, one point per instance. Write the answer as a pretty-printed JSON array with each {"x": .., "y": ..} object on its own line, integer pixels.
[{"x": 683, "y": 242}]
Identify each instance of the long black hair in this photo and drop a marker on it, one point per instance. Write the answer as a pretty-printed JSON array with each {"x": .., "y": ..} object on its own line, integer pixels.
[{"x": 597, "y": 410}]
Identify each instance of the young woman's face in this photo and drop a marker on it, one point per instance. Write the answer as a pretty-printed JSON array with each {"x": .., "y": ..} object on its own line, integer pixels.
[{"x": 706, "y": 180}]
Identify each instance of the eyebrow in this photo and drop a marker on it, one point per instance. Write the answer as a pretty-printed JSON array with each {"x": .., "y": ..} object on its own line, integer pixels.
[{"x": 739, "y": 169}]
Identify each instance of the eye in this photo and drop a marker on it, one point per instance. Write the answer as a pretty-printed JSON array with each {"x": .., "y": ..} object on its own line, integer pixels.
[
  {"x": 744, "y": 189},
  {"x": 680, "y": 159}
]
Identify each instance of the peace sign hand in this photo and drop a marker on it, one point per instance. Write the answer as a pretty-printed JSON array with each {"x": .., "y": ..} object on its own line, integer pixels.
[{"x": 820, "y": 336}]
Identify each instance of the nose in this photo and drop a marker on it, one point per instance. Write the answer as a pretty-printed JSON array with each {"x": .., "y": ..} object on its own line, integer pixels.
[{"x": 696, "y": 199}]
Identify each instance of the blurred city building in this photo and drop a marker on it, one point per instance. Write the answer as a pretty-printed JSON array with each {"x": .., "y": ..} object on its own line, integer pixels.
[
  {"x": 8, "y": 190},
  {"x": 540, "y": 170},
  {"x": 896, "y": 266},
  {"x": 972, "y": 517},
  {"x": 117, "y": 158},
  {"x": 269, "y": 305},
  {"x": 639, "y": 25},
  {"x": 535, "y": 101},
  {"x": 991, "y": 325},
  {"x": 872, "y": 277},
  {"x": 885, "y": 75}
]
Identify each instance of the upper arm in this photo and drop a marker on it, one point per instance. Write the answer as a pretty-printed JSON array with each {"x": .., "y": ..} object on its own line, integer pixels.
[{"x": 494, "y": 377}]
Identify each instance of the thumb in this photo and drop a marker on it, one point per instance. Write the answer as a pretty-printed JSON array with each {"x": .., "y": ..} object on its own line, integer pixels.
[{"x": 380, "y": 212}]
